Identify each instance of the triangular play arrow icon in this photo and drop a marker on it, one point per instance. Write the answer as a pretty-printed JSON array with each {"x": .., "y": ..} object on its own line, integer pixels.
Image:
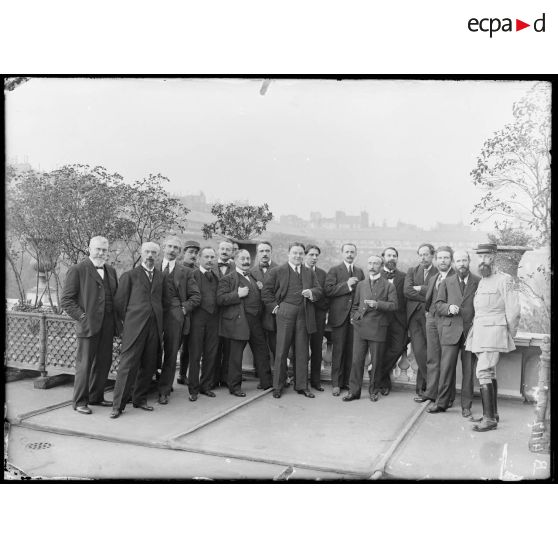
[{"x": 519, "y": 25}]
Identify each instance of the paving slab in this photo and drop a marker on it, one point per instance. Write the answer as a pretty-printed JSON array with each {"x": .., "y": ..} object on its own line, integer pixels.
[
  {"x": 444, "y": 446},
  {"x": 324, "y": 433}
]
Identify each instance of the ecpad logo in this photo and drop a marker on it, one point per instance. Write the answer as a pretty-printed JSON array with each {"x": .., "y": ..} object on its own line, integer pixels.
[{"x": 493, "y": 25}]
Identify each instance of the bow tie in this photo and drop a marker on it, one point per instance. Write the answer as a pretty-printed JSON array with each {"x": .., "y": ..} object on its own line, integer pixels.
[
  {"x": 264, "y": 264},
  {"x": 246, "y": 273},
  {"x": 390, "y": 274},
  {"x": 99, "y": 267}
]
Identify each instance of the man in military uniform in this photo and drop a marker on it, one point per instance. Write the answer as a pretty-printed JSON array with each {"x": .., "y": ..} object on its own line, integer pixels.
[{"x": 494, "y": 327}]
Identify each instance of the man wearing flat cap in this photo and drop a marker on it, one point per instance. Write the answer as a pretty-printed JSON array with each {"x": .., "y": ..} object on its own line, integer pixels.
[
  {"x": 191, "y": 250},
  {"x": 495, "y": 324}
]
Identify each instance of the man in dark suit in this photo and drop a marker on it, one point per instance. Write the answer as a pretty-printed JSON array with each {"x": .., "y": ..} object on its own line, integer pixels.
[
  {"x": 191, "y": 250},
  {"x": 444, "y": 259},
  {"x": 225, "y": 265},
  {"x": 88, "y": 297},
  {"x": 454, "y": 306},
  {"x": 180, "y": 296},
  {"x": 415, "y": 287},
  {"x": 396, "y": 339},
  {"x": 204, "y": 328},
  {"x": 240, "y": 322},
  {"x": 259, "y": 271},
  {"x": 340, "y": 287},
  {"x": 289, "y": 292},
  {"x": 320, "y": 309},
  {"x": 139, "y": 304},
  {"x": 375, "y": 298}
]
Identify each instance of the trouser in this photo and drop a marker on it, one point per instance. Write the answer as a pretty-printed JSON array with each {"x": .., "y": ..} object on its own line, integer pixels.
[
  {"x": 172, "y": 337},
  {"x": 448, "y": 363},
  {"x": 342, "y": 353},
  {"x": 433, "y": 356},
  {"x": 395, "y": 345},
  {"x": 203, "y": 341},
  {"x": 260, "y": 352},
  {"x": 316, "y": 344},
  {"x": 486, "y": 366},
  {"x": 222, "y": 362},
  {"x": 291, "y": 325},
  {"x": 417, "y": 332},
  {"x": 360, "y": 348},
  {"x": 137, "y": 366},
  {"x": 271, "y": 340},
  {"x": 93, "y": 360},
  {"x": 184, "y": 357}
]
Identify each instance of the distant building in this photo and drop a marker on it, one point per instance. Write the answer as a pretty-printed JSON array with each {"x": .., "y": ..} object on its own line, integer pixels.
[
  {"x": 292, "y": 221},
  {"x": 195, "y": 202},
  {"x": 340, "y": 221}
]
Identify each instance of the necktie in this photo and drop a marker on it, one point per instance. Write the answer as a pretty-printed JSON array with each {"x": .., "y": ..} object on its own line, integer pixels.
[
  {"x": 166, "y": 271},
  {"x": 438, "y": 281},
  {"x": 425, "y": 275},
  {"x": 351, "y": 271},
  {"x": 462, "y": 285},
  {"x": 150, "y": 275},
  {"x": 99, "y": 267},
  {"x": 208, "y": 276}
]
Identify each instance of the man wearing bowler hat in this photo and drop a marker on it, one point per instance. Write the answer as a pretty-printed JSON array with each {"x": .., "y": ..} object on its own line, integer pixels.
[{"x": 494, "y": 326}]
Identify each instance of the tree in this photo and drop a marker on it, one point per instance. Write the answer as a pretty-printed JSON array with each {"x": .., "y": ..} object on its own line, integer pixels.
[
  {"x": 513, "y": 169},
  {"x": 238, "y": 221},
  {"x": 150, "y": 214}
]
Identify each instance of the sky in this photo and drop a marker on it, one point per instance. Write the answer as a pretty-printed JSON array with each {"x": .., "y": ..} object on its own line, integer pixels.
[{"x": 401, "y": 150}]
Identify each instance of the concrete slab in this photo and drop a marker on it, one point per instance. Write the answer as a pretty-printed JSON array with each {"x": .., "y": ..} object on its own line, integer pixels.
[
  {"x": 324, "y": 433},
  {"x": 444, "y": 446}
]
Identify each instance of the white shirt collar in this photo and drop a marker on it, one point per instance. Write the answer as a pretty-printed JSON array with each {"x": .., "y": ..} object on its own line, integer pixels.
[
  {"x": 444, "y": 274},
  {"x": 203, "y": 270},
  {"x": 387, "y": 270},
  {"x": 241, "y": 271},
  {"x": 312, "y": 267},
  {"x": 375, "y": 277},
  {"x": 428, "y": 268},
  {"x": 293, "y": 266},
  {"x": 347, "y": 265},
  {"x": 171, "y": 263},
  {"x": 146, "y": 269}
]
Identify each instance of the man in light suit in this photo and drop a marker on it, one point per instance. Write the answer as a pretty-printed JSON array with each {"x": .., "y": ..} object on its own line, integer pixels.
[
  {"x": 191, "y": 251},
  {"x": 454, "y": 306},
  {"x": 224, "y": 266},
  {"x": 289, "y": 292},
  {"x": 180, "y": 296},
  {"x": 375, "y": 298},
  {"x": 396, "y": 339},
  {"x": 139, "y": 304},
  {"x": 444, "y": 259},
  {"x": 263, "y": 264},
  {"x": 320, "y": 309},
  {"x": 340, "y": 284},
  {"x": 415, "y": 287},
  {"x": 88, "y": 297},
  {"x": 240, "y": 322},
  {"x": 497, "y": 313}
]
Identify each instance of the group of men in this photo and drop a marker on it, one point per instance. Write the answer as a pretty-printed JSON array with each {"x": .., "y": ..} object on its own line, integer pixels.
[{"x": 210, "y": 306}]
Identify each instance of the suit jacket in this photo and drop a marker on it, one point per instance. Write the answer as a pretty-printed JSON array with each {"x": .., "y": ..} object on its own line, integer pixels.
[
  {"x": 415, "y": 299},
  {"x": 340, "y": 296},
  {"x": 400, "y": 315},
  {"x": 84, "y": 292},
  {"x": 136, "y": 299},
  {"x": 201, "y": 285},
  {"x": 268, "y": 319},
  {"x": 189, "y": 296},
  {"x": 275, "y": 289},
  {"x": 372, "y": 323},
  {"x": 432, "y": 292},
  {"x": 231, "y": 267},
  {"x": 321, "y": 305},
  {"x": 232, "y": 321},
  {"x": 452, "y": 327}
]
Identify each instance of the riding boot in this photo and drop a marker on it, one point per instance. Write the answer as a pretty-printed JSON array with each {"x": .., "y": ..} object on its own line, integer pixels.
[
  {"x": 488, "y": 421},
  {"x": 496, "y": 415}
]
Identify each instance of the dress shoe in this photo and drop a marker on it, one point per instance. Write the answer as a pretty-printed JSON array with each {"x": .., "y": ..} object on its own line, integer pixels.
[
  {"x": 346, "y": 387},
  {"x": 115, "y": 413},
  {"x": 318, "y": 388},
  {"x": 208, "y": 393},
  {"x": 163, "y": 399},
  {"x": 466, "y": 413},
  {"x": 143, "y": 406},
  {"x": 277, "y": 393},
  {"x": 350, "y": 397},
  {"x": 193, "y": 397},
  {"x": 374, "y": 396},
  {"x": 182, "y": 380},
  {"x": 238, "y": 393},
  {"x": 103, "y": 403},
  {"x": 336, "y": 392},
  {"x": 385, "y": 391},
  {"x": 435, "y": 409},
  {"x": 306, "y": 393},
  {"x": 83, "y": 409},
  {"x": 420, "y": 399}
]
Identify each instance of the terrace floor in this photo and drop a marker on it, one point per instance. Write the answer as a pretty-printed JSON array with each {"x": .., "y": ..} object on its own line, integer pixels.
[{"x": 259, "y": 437}]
